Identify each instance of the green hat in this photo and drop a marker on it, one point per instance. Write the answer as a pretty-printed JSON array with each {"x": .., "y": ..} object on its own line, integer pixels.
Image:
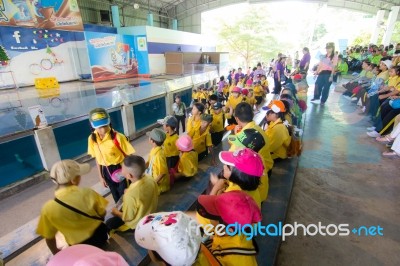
[
  {"x": 248, "y": 138},
  {"x": 207, "y": 117},
  {"x": 99, "y": 117},
  {"x": 157, "y": 135}
]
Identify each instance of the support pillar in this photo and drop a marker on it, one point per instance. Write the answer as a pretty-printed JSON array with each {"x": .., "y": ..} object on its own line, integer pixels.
[
  {"x": 128, "y": 120},
  {"x": 47, "y": 146},
  {"x": 390, "y": 25},
  {"x": 150, "y": 19},
  {"x": 175, "y": 24},
  {"x": 115, "y": 16},
  {"x": 379, "y": 18}
]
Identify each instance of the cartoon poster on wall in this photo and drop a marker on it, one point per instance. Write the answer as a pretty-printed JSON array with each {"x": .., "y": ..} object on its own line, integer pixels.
[
  {"x": 45, "y": 14},
  {"x": 114, "y": 56}
]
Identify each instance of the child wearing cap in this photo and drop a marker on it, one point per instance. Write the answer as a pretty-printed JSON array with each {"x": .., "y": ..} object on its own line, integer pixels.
[
  {"x": 171, "y": 152},
  {"x": 194, "y": 121},
  {"x": 109, "y": 148},
  {"x": 202, "y": 138},
  {"x": 230, "y": 208},
  {"x": 188, "y": 162},
  {"x": 58, "y": 215},
  {"x": 234, "y": 99},
  {"x": 217, "y": 124},
  {"x": 172, "y": 238},
  {"x": 244, "y": 116},
  {"x": 157, "y": 163},
  {"x": 248, "y": 97},
  {"x": 277, "y": 132},
  {"x": 140, "y": 198}
]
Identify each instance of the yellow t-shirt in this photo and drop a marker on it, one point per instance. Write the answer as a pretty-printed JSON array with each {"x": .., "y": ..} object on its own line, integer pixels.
[
  {"x": 195, "y": 95},
  {"x": 140, "y": 199},
  {"x": 279, "y": 139},
  {"x": 254, "y": 193},
  {"x": 233, "y": 102},
  {"x": 201, "y": 141},
  {"x": 205, "y": 258},
  {"x": 192, "y": 124},
  {"x": 258, "y": 91},
  {"x": 217, "y": 124},
  {"x": 383, "y": 75},
  {"x": 225, "y": 90},
  {"x": 158, "y": 164},
  {"x": 202, "y": 95},
  {"x": 188, "y": 164},
  {"x": 393, "y": 81},
  {"x": 228, "y": 244},
  {"x": 267, "y": 160},
  {"x": 170, "y": 148},
  {"x": 250, "y": 100},
  {"x": 75, "y": 227},
  {"x": 264, "y": 83},
  {"x": 106, "y": 152}
]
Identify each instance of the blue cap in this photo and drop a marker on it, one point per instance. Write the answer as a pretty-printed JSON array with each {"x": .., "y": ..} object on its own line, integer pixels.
[{"x": 99, "y": 118}]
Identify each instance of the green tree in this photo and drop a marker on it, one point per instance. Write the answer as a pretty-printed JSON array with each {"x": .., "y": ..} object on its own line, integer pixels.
[
  {"x": 319, "y": 32},
  {"x": 249, "y": 38},
  {"x": 3, "y": 54}
]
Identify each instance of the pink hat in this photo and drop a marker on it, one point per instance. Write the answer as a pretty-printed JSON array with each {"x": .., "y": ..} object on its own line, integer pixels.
[
  {"x": 236, "y": 89},
  {"x": 184, "y": 143},
  {"x": 245, "y": 92},
  {"x": 245, "y": 160},
  {"x": 249, "y": 82},
  {"x": 230, "y": 207},
  {"x": 86, "y": 255}
]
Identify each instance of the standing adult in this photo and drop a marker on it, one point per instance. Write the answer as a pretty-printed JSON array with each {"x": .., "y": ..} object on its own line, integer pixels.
[
  {"x": 179, "y": 109},
  {"x": 239, "y": 75},
  {"x": 279, "y": 74},
  {"x": 325, "y": 72},
  {"x": 305, "y": 60}
]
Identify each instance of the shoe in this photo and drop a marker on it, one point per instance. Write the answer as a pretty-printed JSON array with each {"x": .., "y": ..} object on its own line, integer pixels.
[
  {"x": 322, "y": 103},
  {"x": 347, "y": 97},
  {"x": 390, "y": 154},
  {"x": 354, "y": 99},
  {"x": 373, "y": 134},
  {"x": 371, "y": 128},
  {"x": 315, "y": 101}
]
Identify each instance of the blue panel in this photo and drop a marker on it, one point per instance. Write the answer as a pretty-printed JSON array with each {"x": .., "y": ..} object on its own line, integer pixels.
[
  {"x": 97, "y": 28},
  {"x": 147, "y": 113},
  {"x": 19, "y": 159},
  {"x": 72, "y": 140},
  {"x": 186, "y": 96}
]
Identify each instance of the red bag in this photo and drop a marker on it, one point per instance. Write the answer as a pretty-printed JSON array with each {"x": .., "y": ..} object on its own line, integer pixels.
[{"x": 356, "y": 89}]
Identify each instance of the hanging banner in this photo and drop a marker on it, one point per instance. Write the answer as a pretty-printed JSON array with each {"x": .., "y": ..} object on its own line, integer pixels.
[
  {"x": 44, "y": 14},
  {"x": 114, "y": 56}
]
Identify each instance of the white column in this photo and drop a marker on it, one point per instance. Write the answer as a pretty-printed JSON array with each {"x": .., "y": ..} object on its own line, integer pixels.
[
  {"x": 128, "y": 120},
  {"x": 47, "y": 146},
  {"x": 390, "y": 24},
  {"x": 379, "y": 19}
]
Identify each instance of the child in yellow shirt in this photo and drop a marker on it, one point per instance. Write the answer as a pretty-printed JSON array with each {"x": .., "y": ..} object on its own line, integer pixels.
[
  {"x": 202, "y": 138},
  {"x": 234, "y": 99},
  {"x": 264, "y": 84},
  {"x": 188, "y": 163},
  {"x": 171, "y": 152},
  {"x": 157, "y": 163},
  {"x": 217, "y": 124},
  {"x": 195, "y": 96}
]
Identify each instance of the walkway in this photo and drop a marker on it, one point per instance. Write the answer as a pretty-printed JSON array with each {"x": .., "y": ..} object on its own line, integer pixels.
[{"x": 342, "y": 178}]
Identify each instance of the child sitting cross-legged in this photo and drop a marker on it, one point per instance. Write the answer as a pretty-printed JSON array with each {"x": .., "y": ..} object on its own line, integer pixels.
[{"x": 139, "y": 199}]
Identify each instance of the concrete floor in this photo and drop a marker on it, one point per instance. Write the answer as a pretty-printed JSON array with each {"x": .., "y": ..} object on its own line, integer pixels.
[{"x": 342, "y": 178}]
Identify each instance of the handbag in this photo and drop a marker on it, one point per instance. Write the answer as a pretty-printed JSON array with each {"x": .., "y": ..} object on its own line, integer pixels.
[{"x": 395, "y": 103}]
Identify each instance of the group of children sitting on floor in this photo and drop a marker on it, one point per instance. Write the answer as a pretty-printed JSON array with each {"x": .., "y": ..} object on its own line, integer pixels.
[
  {"x": 235, "y": 194},
  {"x": 377, "y": 89}
]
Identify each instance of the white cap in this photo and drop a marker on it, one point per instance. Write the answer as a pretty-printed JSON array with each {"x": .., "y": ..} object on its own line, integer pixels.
[
  {"x": 65, "y": 171},
  {"x": 388, "y": 63},
  {"x": 172, "y": 235}
]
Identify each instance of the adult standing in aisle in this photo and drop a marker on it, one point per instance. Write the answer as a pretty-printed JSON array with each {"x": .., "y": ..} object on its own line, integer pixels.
[
  {"x": 179, "y": 109},
  {"x": 325, "y": 72}
]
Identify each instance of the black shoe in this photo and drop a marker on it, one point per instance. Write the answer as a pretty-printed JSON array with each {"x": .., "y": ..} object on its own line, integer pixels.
[{"x": 314, "y": 99}]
